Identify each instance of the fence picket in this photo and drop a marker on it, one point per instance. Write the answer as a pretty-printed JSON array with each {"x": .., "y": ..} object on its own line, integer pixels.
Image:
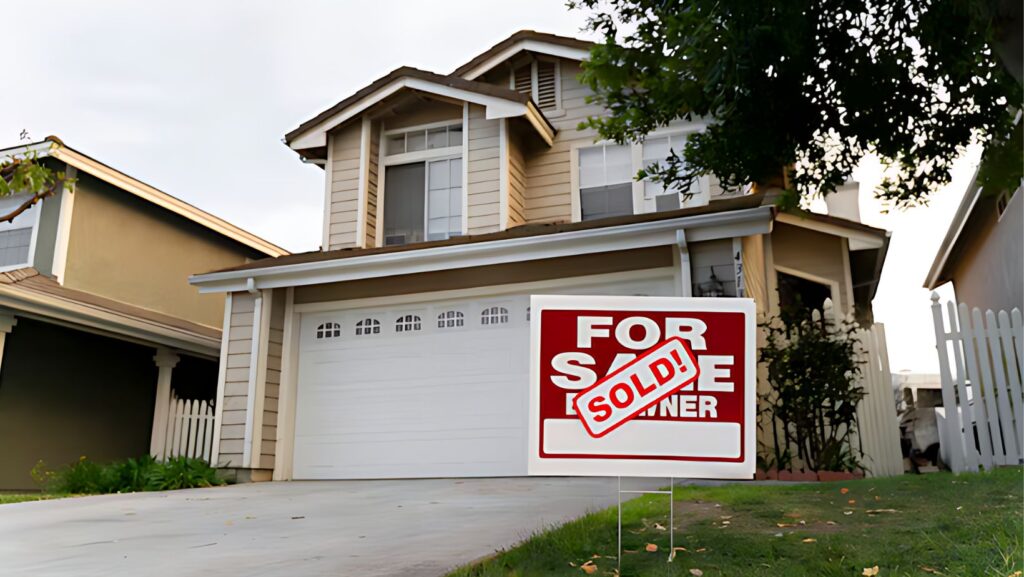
[
  {"x": 955, "y": 450},
  {"x": 978, "y": 408},
  {"x": 1010, "y": 441},
  {"x": 189, "y": 430},
  {"x": 190, "y": 437},
  {"x": 988, "y": 386},
  {"x": 1013, "y": 376},
  {"x": 960, "y": 384}
]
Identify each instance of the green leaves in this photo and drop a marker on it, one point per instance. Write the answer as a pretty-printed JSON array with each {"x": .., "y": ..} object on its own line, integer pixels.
[{"x": 807, "y": 84}]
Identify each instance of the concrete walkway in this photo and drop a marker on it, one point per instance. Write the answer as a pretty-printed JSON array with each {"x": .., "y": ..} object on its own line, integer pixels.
[{"x": 336, "y": 528}]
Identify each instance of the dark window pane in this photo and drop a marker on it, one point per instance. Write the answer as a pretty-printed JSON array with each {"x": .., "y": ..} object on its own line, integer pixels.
[
  {"x": 797, "y": 296},
  {"x": 606, "y": 201},
  {"x": 666, "y": 202},
  {"x": 403, "y": 203}
]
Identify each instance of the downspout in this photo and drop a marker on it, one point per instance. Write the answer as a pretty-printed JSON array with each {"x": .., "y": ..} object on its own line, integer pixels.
[{"x": 250, "y": 410}]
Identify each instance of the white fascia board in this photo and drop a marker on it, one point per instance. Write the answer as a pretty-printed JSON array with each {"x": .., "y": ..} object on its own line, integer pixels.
[
  {"x": 496, "y": 107},
  {"x": 538, "y": 46},
  {"x": 47, "y": 307},
  {"x": 41, "y": 149},
  {"x": 751, "y": 221},
  {"x": 859, "y": 240},
  {"x": 956, "y": 228}
]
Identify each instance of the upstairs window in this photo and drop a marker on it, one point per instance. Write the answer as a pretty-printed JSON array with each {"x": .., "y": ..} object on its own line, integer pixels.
[
  {"x": 367, "y": 327},
  {"x": 541, "y": 80},
  {"x": 423, "y": 193},
  {"x": 16, "y": 238},
  {"x": 605, "y": 181}
]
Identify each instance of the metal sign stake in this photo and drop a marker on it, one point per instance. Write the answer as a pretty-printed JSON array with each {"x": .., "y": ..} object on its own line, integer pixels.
[{"x": 671, "y": 518}]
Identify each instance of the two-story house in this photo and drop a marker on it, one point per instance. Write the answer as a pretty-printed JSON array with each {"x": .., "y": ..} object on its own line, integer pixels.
[
  {"x": 401, "y": 348},
  {"x": 99, "y": 328}
]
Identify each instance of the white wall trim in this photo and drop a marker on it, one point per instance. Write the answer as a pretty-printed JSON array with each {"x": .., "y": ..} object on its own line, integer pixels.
[
  {"x": 699, "y": 228},
  {"x": 503, "y": 199},
  {"x": 261, "y": 379},
  {"x": 491, "y": 290},
  {"x": 378, "y": 237},
  {"x": 328, "y": 194},
  {"x": 364, "y": 180},
  {"x": 465, "y": 168},
  {"x": 837, "y": 301},
  {"x": 222, "y": 371},
  {"x": 285, "y": 445},
  {"x": 496, "y": 107},
  {"x": 62, "y": 243},
  {"x": 538, "y": 46},
  {"x": 254, "y": 355}
]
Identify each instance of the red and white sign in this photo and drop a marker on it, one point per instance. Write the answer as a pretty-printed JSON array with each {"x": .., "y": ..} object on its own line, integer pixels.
[
  {"x": 642, "y": 386},
  {"x": 630, "y": 390}
]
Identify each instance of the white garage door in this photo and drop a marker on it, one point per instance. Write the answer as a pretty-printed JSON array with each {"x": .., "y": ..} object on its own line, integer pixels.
[{"x": 434, "y": 389}]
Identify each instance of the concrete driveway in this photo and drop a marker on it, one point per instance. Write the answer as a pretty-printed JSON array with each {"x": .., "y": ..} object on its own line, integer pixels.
[{"x": 337, "y": 528}]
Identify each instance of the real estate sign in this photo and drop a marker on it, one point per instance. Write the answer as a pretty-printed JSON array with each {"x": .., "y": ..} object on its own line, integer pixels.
[{"x": 642, "y": 386}]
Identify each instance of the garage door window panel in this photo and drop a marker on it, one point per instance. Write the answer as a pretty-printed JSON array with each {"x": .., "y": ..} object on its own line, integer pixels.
[
  {"x": 408, "y": 323},
  {"x": 367, "y": 327},
  {"x": 328, "y": 330},
  {"x": 450, "y": 320},
  {"x": 494, "y": 316}
]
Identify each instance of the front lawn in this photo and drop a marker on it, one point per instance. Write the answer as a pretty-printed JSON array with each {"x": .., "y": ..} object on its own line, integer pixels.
[{"x": 936, "y": 524}]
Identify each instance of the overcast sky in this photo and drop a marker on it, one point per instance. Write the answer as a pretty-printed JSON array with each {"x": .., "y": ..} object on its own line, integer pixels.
[{"x": 194, "y": 99}]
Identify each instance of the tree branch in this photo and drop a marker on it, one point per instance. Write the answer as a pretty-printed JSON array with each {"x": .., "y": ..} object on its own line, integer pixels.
[{"x": 9, "y": 217}]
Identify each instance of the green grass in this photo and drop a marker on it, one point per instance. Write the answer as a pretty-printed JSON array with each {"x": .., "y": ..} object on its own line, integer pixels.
[
  {"x": 943, "y": 525},
  {"x": 6, "y": 498}
]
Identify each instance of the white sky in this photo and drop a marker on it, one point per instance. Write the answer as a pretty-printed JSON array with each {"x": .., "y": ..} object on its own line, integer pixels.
[{"x": 195, "y": 97}]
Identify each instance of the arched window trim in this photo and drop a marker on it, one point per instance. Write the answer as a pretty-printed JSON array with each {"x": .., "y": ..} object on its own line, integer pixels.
[
  {"x": 496, "y": 315},
  {"x": 408, "y": 323},
  {"x": 451, "y": 319},
  {"x": 328, "y": 330},
  {"x": 367, "y": 326}
]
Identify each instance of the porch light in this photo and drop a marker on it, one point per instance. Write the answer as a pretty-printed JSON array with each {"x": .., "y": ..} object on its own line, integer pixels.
[{"x": 712, "y": 288}]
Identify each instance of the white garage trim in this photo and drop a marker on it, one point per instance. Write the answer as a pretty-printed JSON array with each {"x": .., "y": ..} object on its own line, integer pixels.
[{"x": 491, "y": 290}]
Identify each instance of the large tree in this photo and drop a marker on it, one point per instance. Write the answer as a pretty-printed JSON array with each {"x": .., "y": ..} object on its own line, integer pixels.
[{"x": 796, "y": 92}]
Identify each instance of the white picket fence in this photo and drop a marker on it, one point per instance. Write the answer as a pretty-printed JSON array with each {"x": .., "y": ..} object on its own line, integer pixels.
[
  {"x": 189, "y": 430},
  {"x": 877, "y": 423},
  {"x": 980, "y": 362}
]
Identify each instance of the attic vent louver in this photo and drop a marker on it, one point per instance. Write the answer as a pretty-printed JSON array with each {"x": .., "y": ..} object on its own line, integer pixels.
[{"x": 539, "y": 80}]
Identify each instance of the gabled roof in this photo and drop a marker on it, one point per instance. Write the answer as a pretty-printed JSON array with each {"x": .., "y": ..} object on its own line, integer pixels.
[
  {"x": 54, "y": 147},
  {"x": 500, "y": 103},
  {"x": 938, "y": 274},
  {"x": 540, "y": 42}
]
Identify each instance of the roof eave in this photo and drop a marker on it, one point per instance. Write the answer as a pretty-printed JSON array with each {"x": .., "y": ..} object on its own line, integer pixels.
[
  {"x": 937, "y": 272},
  {"x": 701, "y": 227}
]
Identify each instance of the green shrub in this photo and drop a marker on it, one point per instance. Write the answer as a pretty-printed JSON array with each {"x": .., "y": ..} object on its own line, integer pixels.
[{"x": 130, "y": 475}]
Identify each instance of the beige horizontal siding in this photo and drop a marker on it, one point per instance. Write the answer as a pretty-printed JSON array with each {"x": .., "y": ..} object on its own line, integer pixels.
[
  {"x": 271, "y": 391},
  {"x": 344, "y": 174},
  {"x": 482, "y": 169},
  {"x": 373, "y": 167},
  {"x": 235, "y": 400}
]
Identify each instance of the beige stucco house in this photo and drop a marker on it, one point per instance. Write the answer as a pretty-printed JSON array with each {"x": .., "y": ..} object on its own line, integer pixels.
[
  {"x": 99, "y": 328},
  {"x": 400, "y": 348}
]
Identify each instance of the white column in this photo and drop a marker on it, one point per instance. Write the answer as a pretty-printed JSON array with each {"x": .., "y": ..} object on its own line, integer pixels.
[
  {"x": 681, "y": 259},
  {"x": 7, "y": 322},
  {"x": 165, "y": 361}
]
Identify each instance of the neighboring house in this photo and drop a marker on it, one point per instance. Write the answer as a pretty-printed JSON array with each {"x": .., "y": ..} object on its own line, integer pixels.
[
  {"x": 400, "y": 349},
  {"x": 982, "y": 253},
  {"x": 96, "y": 309}
]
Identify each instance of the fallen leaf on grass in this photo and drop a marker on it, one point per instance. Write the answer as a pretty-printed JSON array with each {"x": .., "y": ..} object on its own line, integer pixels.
[
  {"x": 726, "y": 517},
  {"x": 870, "y": 571},
  {"x": 674, "y": 549},
  {"x": 931, "y": 570},
  {"x": 629, "y": 551},
  {"x": 852, "y": 501},
  {"x": 844, "y": 490},
  {"x": 589, "y": 568},
  {"x": 878, "y": 497},
  {"x": 781, "y": 525},
  {"x": 595, "y": 556},
  {"x": 877, "y": 511},
  {"x": 702, "y": 549},
  {"x": 830, "y": 522},
  {"x": 696, "y": 572},
  {"x": 650, "y": 547},
  {"x": 847, "y": 512},
  {"x": 659, "y": 526},
  {"x": 809, "y": 540},
  {"x": 1016, "y": 573}
]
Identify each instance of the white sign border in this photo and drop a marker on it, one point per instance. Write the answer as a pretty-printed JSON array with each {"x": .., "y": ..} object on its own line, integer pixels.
[{"x": 644, "y": 467}]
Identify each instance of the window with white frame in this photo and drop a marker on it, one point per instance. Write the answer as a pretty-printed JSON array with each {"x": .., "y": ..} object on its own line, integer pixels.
[
  {"x": 423, "y": 184},
  {"x": 367, "y": 327},
  {"x": 605, "y": 181},
  {"x": 328, "y": 331},
  {"x": 450, "y": 320},
  {"x": 407, "y": 324},
  {"x": 16, "y": 238},
  {"x": 656, "y": 196},
  {"x": 540, "y": 78},
  {"x": 494, "y": 316}
]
